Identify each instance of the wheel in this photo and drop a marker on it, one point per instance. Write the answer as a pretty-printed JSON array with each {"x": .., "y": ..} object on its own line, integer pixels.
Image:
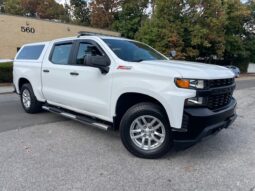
[
  {"x": 145, "y": 131},
  {"x": 28, "y": 99}
]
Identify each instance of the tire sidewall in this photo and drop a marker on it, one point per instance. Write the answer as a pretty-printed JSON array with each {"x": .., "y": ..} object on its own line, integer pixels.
[
  {"x": 125, "y": 126},
  {"x": 34, "y": 106}
]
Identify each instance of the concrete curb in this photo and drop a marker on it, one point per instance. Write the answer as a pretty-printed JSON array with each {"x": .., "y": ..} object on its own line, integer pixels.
[
  {"x": 243, "y": 78},
  {"x": 6, "y": 89},
  {"x": 5, "y": 84}
]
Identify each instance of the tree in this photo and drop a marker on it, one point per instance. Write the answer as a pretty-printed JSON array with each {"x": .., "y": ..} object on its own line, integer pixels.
[
  {"x": 250, "y": 24},
  {"x": 204, "y": 22},
  {"x": 153, "y": 5},
  {"x": 14, "y": 7},
  {"x": 1, "y": 6},
  {"x": 66, "y": 17},
  {"x": 250, "y": 29},
  {"x": 49, "y": 9},
  {"x": 193, "y": 28},
  {"x": 30, "y": 7},
  {"x": 158, "y": 33},
  {"x": 129, "y": 18},
  {"x": 80, "y": 11},
  {"x": 235, "y": 33},
  {"x": 103, "y": 12}
]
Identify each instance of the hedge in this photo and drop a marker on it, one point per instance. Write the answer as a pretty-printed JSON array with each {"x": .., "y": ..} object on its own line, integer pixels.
[{"x": 6, "y": 72}]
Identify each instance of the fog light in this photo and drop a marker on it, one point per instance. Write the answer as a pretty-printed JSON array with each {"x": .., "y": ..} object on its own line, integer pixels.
[{"x": 195, "y": 101}]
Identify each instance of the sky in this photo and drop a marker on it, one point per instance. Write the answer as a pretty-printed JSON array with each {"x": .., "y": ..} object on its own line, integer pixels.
[
  {"x": 63, "y": 1},
  {"x": 68, "y": 1}
]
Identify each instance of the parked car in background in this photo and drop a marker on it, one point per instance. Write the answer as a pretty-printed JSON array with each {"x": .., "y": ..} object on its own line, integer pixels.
[{"x": 235, "y": 70}]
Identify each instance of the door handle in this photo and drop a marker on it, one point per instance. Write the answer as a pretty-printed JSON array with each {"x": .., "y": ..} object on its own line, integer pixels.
[
  {"x": 74, "y": 74},
  {"x": 46, "y": 71}
]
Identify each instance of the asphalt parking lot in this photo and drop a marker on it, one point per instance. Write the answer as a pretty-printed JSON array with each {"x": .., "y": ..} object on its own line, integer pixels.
[{"x": 48, "y": 152}]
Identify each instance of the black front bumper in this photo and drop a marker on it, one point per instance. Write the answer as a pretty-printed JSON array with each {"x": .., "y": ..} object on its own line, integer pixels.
[{"x": 202, "y": 122}]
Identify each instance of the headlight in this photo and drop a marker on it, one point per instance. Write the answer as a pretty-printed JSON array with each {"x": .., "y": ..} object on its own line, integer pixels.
[{"x": 189, "y": 83}]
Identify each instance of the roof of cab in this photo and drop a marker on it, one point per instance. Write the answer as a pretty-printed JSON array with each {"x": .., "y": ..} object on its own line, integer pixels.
[
  {"x": 36, "y": 43},
  {"x": 89, "y": 37}
]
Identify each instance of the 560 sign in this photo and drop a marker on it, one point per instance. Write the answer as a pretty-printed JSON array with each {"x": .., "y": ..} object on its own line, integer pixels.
[{"x": 27, "y": 29}]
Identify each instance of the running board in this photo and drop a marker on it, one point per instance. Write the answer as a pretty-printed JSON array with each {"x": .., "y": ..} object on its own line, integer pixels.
[{"x": 78, "y": 117}]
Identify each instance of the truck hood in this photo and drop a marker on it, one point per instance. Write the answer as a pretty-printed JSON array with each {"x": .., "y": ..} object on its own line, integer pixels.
[{"x": 192, "y": 69}]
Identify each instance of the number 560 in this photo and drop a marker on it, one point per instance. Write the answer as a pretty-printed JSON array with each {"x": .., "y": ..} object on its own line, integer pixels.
[{"x": 27, "y": 29}]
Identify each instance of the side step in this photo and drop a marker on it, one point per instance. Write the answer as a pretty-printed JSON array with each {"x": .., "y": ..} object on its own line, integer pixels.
[{"x": 78, "y": 117}]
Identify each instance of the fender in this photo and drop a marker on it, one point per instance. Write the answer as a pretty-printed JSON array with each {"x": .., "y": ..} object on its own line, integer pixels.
[{"x": 146, "y": 92}]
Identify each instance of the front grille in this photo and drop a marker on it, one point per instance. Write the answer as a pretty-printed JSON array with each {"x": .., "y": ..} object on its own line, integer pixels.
[
  {"x": 220, "y": 92},
  {"x": 220, "y": 82},
  {"x": 218, "y": 101}
]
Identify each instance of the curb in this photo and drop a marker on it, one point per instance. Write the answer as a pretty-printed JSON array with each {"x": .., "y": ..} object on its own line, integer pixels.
[
  {"x": 6, "y": 85},
  {"x": 6, "y": 89},
  {"x": 6, "y": 93},
  {"x": 244, "y": 78}
]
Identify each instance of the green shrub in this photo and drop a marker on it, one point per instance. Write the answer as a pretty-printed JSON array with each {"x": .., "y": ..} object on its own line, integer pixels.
[
  {"x": 243, "y": 66},
  {"x": 6, "y": 72}
]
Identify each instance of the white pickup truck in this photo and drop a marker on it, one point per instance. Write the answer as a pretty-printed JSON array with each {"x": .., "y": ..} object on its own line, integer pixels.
[{"x": 111, "y": 82}]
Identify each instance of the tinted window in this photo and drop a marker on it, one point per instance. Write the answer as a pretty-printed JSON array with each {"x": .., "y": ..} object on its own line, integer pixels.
[
  {"x": 84, "y": 50},
  {"x": 61, "y": 53},
  {"x": 30, "y": 52},
  {"x": 133, "y": 51}
]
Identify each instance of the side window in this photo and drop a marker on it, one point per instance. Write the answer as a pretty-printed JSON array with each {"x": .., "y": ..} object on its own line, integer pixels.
[
  {"x": 61, "y": 53},
  {"x": 32, "y": 52},
  {"x": 84, "y": 50}
]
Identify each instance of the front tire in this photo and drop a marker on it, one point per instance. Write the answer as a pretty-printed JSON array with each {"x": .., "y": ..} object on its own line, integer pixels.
[
  {"x": 145, "y": 131},
  {"x": 28, "y": 100}
]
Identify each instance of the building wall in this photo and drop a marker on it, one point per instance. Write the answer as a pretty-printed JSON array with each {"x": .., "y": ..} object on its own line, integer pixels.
[
  {"x": 251, "y": 68},
  {"x": 16, "y": 31}
]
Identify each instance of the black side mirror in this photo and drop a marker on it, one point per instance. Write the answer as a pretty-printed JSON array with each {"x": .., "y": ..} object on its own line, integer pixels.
[{"x": 101, "y": 62}]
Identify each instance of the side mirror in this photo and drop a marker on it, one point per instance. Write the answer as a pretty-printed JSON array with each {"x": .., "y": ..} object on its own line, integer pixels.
[
  {"x": 101, "y": 62},
  {"x": 172, "y": 53}
]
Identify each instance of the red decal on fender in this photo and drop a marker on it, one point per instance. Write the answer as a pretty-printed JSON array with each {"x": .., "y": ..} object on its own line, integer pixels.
[{"x": 121, "y": 67}]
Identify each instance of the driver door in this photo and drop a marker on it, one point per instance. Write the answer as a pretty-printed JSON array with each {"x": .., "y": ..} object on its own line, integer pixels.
[{"x": 89, "y": 89}]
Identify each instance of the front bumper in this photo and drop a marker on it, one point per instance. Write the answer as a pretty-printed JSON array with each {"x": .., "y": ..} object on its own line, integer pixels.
[{"x": 202, "y": 122}]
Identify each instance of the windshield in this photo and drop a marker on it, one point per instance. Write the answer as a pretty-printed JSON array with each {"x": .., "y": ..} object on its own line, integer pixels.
[{"x": 133, "y": 51}]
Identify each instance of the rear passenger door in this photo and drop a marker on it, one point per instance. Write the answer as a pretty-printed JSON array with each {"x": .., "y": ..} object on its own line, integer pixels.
[{"x": 55, "y": 73}]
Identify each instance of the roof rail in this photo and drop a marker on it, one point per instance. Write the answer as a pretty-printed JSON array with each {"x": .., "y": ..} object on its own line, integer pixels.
[{"x": 84, "y": 33}]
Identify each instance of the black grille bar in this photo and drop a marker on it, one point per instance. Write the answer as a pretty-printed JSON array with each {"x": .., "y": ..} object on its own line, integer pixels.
[
  {"x": 218, "y": 101},
  {"x": 219, "y": 82},
  {"x": 218, "y": 93}
]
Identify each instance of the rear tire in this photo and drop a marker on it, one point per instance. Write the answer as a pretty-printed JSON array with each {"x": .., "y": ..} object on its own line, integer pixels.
[
  {"x": 28, "y": 100},
  {"x": 145, "y": 131}
]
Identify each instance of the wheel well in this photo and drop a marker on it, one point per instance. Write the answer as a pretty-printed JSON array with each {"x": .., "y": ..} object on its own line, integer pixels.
[
  {"x": 128, "y": 100},
  {"x": 22, "y": 81}
]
